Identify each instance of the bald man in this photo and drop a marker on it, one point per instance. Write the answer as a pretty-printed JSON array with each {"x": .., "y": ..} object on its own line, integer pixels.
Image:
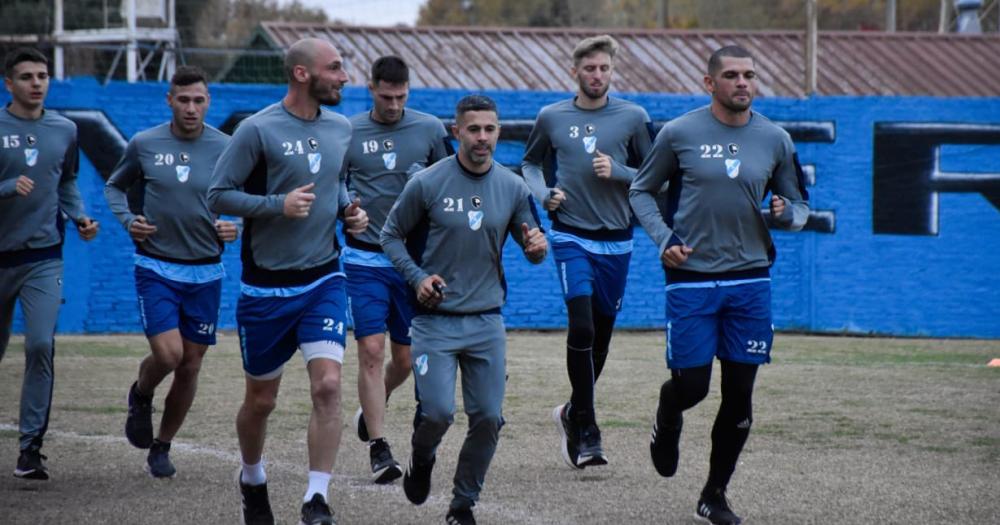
[{"x": 281, "y": 173}]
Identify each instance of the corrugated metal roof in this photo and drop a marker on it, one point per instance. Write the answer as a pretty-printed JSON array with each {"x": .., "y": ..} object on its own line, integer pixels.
[{"x": 671, "y": 61}]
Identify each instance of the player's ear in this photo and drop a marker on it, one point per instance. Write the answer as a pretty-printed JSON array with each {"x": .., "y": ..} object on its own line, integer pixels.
[{"x": 301, "y": 73}]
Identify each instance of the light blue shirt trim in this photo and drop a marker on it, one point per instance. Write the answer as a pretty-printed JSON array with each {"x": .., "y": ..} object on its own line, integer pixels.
[
  {"x": 365, "y": 258},
  {"x": 598, "y": 247},
  {"x": 182, "y": 273},
  {"x": 713, "y": 284},
  {"x": 291, "y": 291}
]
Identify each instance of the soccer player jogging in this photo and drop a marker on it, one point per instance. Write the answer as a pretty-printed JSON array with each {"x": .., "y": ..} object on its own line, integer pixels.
[
  {"x": 38, "y": 165},
  {"x": 718, "y": 163},
  {"x": 178, "y": 269},
  {"x": 597, "y": 142},
  {"x": 281, "y": 173},
  {"x": 446, "y": 235},
  {"x": 389, "y": 143}
]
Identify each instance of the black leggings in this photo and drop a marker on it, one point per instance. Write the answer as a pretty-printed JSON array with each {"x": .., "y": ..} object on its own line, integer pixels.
[
  {"x": 687, "y": 387},
  {"x": 587, "y": 343}
]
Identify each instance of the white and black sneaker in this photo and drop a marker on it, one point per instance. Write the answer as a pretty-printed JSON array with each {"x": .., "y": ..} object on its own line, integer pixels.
[
  {"x": 317, "y": 512},
  {"x": 714, "y": 508},
  {"x": 385, "y": 468},
  {"x": 590, "y": 453},
  {"x": 255, "y": 507},
  {"x": 568, "y": 435},
  {"x": 417, "y": 480},
  {"x": 361, "y": 426},
  {"x": 664, "y": 444},
  {"x": 31, "y": 465},
  {"x": 461, "y": 516}
]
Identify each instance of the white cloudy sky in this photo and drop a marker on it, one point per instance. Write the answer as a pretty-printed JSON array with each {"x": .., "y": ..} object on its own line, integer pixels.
[{"x": 369, "y": 12}]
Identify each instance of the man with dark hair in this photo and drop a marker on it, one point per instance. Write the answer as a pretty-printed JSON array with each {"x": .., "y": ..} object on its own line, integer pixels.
[
  {"x": 718, "y": 163},
  {"x": 38, "y": 164},
  {"x": 597, "y": 142},
  {"x": 281, "y": 172},
  {"x": 445, "y": 234},
  {"x": 390, "y": 143},
  {"x": 178, "y": 265}
]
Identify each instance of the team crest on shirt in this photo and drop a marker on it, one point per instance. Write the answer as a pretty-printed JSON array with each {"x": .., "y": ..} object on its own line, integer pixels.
[
  {"x": 315, "y": 159},
  {"x": 733, "y": 168},
  {"x": 477, "y": 201},
  {"x": 184, "y": 157},
  {"x": 590, "y": 144},
  {"x": 313, "y": 143},
  {"x": 30, "y": 139},
  {"x": 390, "y": 160},
  {"x": 183, "y": 172},
  {"x": 30, "y": 156},
  {"x": 733, "y": 148},
  {"x": 387, "y": 144},
  {"x": 589, "y": 129},
  {"x": 475, "y": 220}
]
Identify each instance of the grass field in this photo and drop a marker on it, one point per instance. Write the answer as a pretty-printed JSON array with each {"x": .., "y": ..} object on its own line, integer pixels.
[{"x": 846, "y": 430}]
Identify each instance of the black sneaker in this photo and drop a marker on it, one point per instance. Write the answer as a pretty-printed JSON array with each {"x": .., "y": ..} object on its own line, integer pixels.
[
  {"x": 664, "y": 444},
  {"x": 158, "y": 461},
  {"x": 460, "y": 517},
  {"x": 361, "y": 426},
  {"x": 713, "y": 508},
  {"x": 139, "y": 422},
  {"x": 568, "y": 435},
  {"x": 385, "y": 469},
  {"x": 417, "y": 480},
  {"x": 591, "y": 453},
  {"x": 316, "y": 512},
  {"x": 255, "y": 508},
  {"x": 31, "y": 466}
]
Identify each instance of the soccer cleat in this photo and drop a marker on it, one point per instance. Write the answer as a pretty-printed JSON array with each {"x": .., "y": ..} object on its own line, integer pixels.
[
  {"x": 567, "y": 434},
  {"x": 255, "y": 507},
  {"x": 713, "y": 508},
  {"x": 417, "y": 480},
  {"x": 385, "y": 469},
  {"x": 139, "y": 422},
  {"x": 590, "y": 453},
  {"x": 664, "y": 445},
  {"x": 316, "y": 512},
  {"x": 461, "y": 516},
  {"x": 361, "y": 426},
  {"x": 158, "y": 461},
  {"x": 30, "y": 465}
]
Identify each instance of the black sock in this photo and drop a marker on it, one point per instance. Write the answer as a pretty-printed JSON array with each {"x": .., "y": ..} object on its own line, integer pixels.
[
  {"x": 579, "y": 364},
  {"x": 579, "y": 358},
  {"x": 604, "y": 325},
  {"x": 732, "y": 424}
]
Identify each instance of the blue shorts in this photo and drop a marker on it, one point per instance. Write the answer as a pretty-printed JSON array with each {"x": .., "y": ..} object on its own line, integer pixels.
[
  {"x": 379, "y": 299},
  {"x": 730, "y": 320},
  {"x": 601, "y": 276},
  {"x": 165, "y": 304},
  {"x": 272, "y": 328}
]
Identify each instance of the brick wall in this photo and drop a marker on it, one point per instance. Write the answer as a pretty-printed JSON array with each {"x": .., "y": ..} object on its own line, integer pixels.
[{"x": 852, "y": 280}]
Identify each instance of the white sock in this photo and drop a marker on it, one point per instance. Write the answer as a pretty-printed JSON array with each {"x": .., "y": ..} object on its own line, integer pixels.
[
  {"x": 319, "y": 483},
  {"x": 254, "y": 474}
]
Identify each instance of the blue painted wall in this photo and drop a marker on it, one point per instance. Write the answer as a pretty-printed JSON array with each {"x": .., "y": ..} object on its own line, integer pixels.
[{"x": 853, "y": 280}]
